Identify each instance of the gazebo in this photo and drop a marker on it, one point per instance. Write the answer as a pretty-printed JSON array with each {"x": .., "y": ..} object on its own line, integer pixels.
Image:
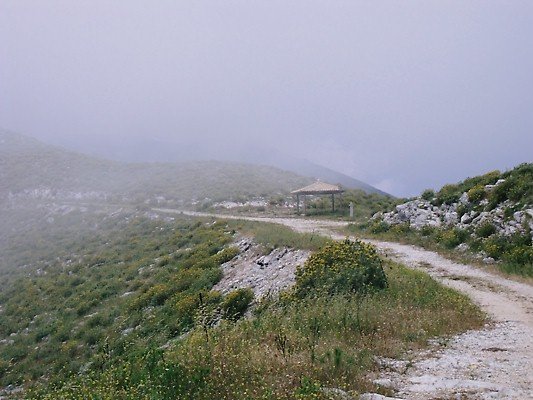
[{"x": 318, "y": 188}]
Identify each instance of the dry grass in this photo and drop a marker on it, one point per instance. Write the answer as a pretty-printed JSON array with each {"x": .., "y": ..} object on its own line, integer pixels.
[{"x": 289, "y": 350}]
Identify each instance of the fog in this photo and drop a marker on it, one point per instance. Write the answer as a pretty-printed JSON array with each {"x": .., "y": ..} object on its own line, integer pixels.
[{"x": 403, "y": 95}]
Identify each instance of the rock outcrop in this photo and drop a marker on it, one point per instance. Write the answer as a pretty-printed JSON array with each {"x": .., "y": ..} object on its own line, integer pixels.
[
  {"x": 265, "y": 274},
  {"x": 505, "y": 218}
]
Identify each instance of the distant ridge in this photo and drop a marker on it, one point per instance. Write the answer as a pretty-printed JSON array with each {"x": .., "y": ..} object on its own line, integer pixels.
[
  {"x": 33, "y": 168},
  {"x": 139, "y": 149}
]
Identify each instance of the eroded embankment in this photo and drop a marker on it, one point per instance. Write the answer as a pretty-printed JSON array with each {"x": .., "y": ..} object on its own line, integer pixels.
[{"x": 265, "y": 274}]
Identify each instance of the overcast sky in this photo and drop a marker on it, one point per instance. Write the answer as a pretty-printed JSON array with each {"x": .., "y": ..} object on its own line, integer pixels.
[{"x": 404, "y": 95}]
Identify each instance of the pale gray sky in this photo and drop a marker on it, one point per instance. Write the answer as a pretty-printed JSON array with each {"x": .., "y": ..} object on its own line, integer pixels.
[{"x": 405, "y": 95}]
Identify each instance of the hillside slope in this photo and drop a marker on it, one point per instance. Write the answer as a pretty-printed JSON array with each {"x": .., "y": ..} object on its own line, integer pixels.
[
  {"x": 29, "y": 168},
  {"x": 152, "y": 150},
  {"x": 490, "y": 215}
]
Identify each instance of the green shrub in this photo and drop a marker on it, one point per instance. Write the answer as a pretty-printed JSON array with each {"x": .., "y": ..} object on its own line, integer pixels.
[
  {"x": 226, "y": 254},
  {"x": 185, "y": 308},
  {"x": 347, "y": 266},
  {"x": 495, "y": 246},
  {"x": 453, "y": 238},
  {"x": 485, "y": 229},
  {"x": 521, "y": 255},
  {"x": 400, "y": 229},
  {"x": 428, "y": 194},
  {"x": 476, "y": 194},
  {"x": 448, "y": 194},
  {"x": 379, "y": 227},
  {"x": 462, "y": 210},
  {"x": 236, "y": 303},
  {"x": 427, "y": 230}
]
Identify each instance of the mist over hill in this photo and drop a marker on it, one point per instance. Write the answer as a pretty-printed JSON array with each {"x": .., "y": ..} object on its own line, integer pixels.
[
  {"x": 188, "y": 149},
  {"x": 33, "y": 169}
]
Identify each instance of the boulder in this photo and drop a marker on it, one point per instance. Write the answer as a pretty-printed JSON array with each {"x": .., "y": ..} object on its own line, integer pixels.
[
  {"x": 451, "y": 218},
  {"x": 466, "y": 219}
]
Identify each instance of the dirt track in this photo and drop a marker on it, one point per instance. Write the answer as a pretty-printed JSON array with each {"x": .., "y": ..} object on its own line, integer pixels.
[{"x": 493, "y": 363}]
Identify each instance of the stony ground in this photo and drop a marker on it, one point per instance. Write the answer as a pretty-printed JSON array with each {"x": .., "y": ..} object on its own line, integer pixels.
[
  {"x": 495, "y": 362},
  {"x": 265, "y": 274}
]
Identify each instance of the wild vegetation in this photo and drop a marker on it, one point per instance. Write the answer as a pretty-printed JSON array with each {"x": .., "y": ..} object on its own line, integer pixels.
[
  {"x": 136, "y": 283},
  {"x": 292, "y": 348},
  {"x": 128, "y": 312},
  {"x": 500, "y": 200},
  {"x": 365, "y": 204}
]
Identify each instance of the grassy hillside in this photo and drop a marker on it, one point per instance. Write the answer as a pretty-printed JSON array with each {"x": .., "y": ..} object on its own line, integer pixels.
[
  {"x": 27, "y": 164},
  {"x": 107, "y": 315}
]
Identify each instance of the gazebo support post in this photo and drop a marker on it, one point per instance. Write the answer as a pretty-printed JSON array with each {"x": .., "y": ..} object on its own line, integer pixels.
[
  {"x": 332, "y": 202},
  {"x": 298, "y": 204}
]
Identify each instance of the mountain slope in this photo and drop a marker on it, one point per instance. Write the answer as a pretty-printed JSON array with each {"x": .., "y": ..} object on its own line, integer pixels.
[
  {"x": 30, "y": 167},
  {"x": 152, "y": 150}
]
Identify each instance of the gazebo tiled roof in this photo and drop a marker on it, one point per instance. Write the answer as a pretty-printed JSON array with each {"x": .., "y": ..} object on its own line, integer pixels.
[{"x": 319, "y": 188}]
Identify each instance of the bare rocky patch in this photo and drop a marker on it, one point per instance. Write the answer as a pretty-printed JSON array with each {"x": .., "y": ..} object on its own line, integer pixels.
[{"x": 265, "y": 274}]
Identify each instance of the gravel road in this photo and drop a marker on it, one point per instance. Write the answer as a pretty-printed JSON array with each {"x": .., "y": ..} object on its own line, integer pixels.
[{"x": 493, "y": 363}]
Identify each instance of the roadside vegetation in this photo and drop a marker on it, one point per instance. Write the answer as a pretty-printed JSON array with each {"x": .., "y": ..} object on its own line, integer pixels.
[
  {"x": 135, "y": 318},
  {"x": 272, "y": 236},
  {"x": 365, "y": 204},
  {"x": 510, "y": 193}
]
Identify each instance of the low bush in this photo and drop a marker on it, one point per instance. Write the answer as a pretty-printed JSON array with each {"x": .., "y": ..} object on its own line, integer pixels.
[
  {"x": 477, "y": 193},
  {"x": 485, "y": 229},
  {"x": 340, "y": 267},
  {"x": 452, "y": 237},
  {"x": 428, "y": 194},
  {"x": 379, "y": 227},
  {"x": 236, "y": 303},
  {"x": 289, "y": 351},
  {"x": 448, "y": 194}
]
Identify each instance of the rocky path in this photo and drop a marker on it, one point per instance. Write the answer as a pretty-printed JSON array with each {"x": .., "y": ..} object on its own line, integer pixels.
[{"x": 493, "y": 363}]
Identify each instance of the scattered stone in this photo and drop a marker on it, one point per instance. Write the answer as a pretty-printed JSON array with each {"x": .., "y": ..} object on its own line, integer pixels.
[
  {"x": 386, "y": 383},
  {"x": 420, "y": 213},
  {"x": 127, "y": 331},
  {"x": 464, "y": 198},
  {"x": 375, "y": 396},
  {"x": 494, "y": 349},
  {"x": 463, "y": 247},
  {"x": 264, "y": 274},
  {"x": 466, "y": 219},
  {"x": 336, "y": 394}
]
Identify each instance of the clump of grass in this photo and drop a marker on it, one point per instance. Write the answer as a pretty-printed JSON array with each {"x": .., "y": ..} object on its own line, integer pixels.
[
  {"x": 274, "y": 235},
  {"x": 236, "y": 303}
]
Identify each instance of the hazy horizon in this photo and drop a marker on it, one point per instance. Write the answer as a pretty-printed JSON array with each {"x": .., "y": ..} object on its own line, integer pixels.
[{"x": 404, "y": 96}]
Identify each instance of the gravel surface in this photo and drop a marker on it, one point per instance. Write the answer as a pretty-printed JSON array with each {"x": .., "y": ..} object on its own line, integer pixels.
[{"x": 495, "y": 362}]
